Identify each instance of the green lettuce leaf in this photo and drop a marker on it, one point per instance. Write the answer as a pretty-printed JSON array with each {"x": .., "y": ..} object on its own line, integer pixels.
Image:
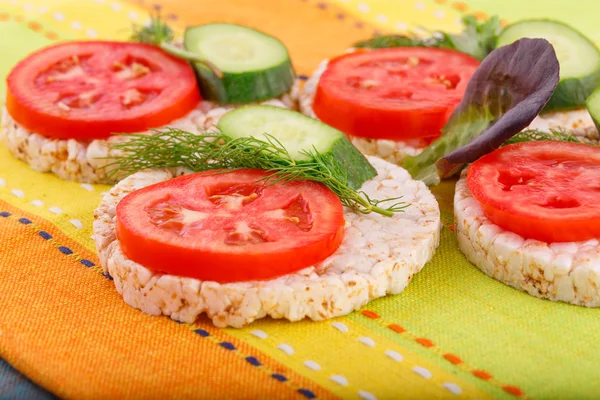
[
  {"x": 506, "y": 92},
  {"x": 478, "y": 39}
]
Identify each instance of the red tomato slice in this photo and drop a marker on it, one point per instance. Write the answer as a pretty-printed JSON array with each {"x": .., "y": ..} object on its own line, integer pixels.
[
  {"x": 88, "y": 90},
  {"x": 547, "y": 191},
  {"x": 229, "y": 227},
  {"x": 398, "y": 93}
]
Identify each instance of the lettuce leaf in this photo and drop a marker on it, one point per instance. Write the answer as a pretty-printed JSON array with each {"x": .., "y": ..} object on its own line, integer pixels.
[
  {"x": 506, "y": 92},
  {"x": 478, "y": 39}
]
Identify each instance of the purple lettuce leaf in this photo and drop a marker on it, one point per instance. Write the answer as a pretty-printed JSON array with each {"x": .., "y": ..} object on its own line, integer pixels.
[{"x": 506, "y": 92}]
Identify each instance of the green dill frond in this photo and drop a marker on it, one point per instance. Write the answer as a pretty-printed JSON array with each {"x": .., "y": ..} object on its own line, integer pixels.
[
  {"x": 155, "y": 33},
  {"x": 171, "y": 148},
  {"x": 158, "y": 33}
]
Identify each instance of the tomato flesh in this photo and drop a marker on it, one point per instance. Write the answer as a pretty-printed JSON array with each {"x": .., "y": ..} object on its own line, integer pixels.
[
  {"x": 88, "y": 90},
  {"x": 230, "y": 227},
  {"x": 545, "y": 190},
  {"x": 398, "y": 93}
]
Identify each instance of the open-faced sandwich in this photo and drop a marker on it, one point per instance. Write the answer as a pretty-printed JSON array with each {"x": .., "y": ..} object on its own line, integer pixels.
[
  {"x": 276, "y": 214},
  {"x": 65, "y": 102},
  {"x": 527, "y": 214},
  {"x": 390, "y": 102},
  {"x": 393, "y": 94},
  {"x": 525, "y": 207}
]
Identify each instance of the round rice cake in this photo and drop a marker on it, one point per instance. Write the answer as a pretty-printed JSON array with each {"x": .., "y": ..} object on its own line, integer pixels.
[
  {"x": 72, "y": 159},
  {"x": 378, "y": 256},
  {"x": 566, "y": 271},
  {"x": 389, "y": 150},
  {"x": 578, "y": 123},
  {"x": 84, "y": 160}
]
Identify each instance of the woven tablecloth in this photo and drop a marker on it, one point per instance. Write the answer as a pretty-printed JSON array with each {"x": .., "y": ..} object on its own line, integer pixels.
[{"x": 453, "y": 333}]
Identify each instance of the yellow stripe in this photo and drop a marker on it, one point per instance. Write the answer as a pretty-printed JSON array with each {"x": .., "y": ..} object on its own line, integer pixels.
[
  {"x": 63, "y": 203},
  {"x": 80, "y": 18},
  {"x": 320, "y": 352},
  {"x": 402, "y": 16}
]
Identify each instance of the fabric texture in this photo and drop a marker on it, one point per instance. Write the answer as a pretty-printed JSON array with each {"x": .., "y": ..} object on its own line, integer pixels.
[{"x": 453, "y": 333}]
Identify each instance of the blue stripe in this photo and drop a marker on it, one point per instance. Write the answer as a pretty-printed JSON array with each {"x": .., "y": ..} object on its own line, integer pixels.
[
  {"x": 65, "y": 250},
  {"x": 4, "y": 214},
  {"x": 307, "y": 393},
  {"x": 87, "y": 263},
  {"x": 254, "y": 361},
  {"x": 45, "y": 235},
  {"x": 202, "y": 332},
  {"x": 227, "y": 345},
  {"x": 24, "y": 221},
  {"x": 279, "y": 377},
  {"x": 107, "y": 275}
]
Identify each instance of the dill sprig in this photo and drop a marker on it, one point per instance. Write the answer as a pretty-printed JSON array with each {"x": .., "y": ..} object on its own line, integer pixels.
[
  {"x": 534, "y": 135},
  {"x": 160, "y": 34},
  {"x": 171, "y": 148}
]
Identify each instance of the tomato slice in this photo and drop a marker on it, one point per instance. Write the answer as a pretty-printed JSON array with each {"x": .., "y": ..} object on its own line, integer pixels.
[
  {"x": 398, "y": 93},
  {"x": 88, "y": 90},
  {"x": 230, "y": 227},
  {"x": 545, "y": 190}
]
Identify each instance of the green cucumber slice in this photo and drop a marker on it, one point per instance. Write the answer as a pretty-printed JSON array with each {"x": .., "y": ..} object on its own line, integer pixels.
[
  {"x": 593, "y": 106},
  {"x": 255, "y": 66},
  {"x": 298, "y": 134},
  {"x": 579, "y": 59}
]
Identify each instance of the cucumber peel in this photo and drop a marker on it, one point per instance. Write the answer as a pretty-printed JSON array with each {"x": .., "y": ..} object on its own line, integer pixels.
[
  {"x": 254, "y": 65},
  {"x": 578, "y": 57},
  {"x": 593, "y": 106}
]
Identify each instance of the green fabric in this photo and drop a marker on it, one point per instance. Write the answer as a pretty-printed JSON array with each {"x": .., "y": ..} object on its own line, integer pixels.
[
  {"x": 17, "y": 44},
  {"x": 549, "y": 350},
  {"x": 582, "y": 15}
]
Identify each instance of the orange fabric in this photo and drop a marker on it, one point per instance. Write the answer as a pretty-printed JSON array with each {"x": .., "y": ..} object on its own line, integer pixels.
[
  {"x": 82, "y": 320},
  {"x": 64, "y": 325},
  {"x": 317, "y": 35}
]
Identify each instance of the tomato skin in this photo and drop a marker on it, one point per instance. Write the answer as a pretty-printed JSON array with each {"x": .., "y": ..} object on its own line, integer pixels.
[
  {"x": 404, "y": 101},
  {"x": 545, "y": 190},
  {"x": 170, "y": 87},
  {"x": 204, "y": 256},
  {"x": 540, "y": 229}
]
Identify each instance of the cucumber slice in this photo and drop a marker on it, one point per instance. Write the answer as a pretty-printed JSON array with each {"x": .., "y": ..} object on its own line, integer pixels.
[
  {"x": 255, "y": 66},
  {"x": 579, "y": 59},
  {"x": 593, "y": 106},
  {"x": 298, "y": 133}
]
